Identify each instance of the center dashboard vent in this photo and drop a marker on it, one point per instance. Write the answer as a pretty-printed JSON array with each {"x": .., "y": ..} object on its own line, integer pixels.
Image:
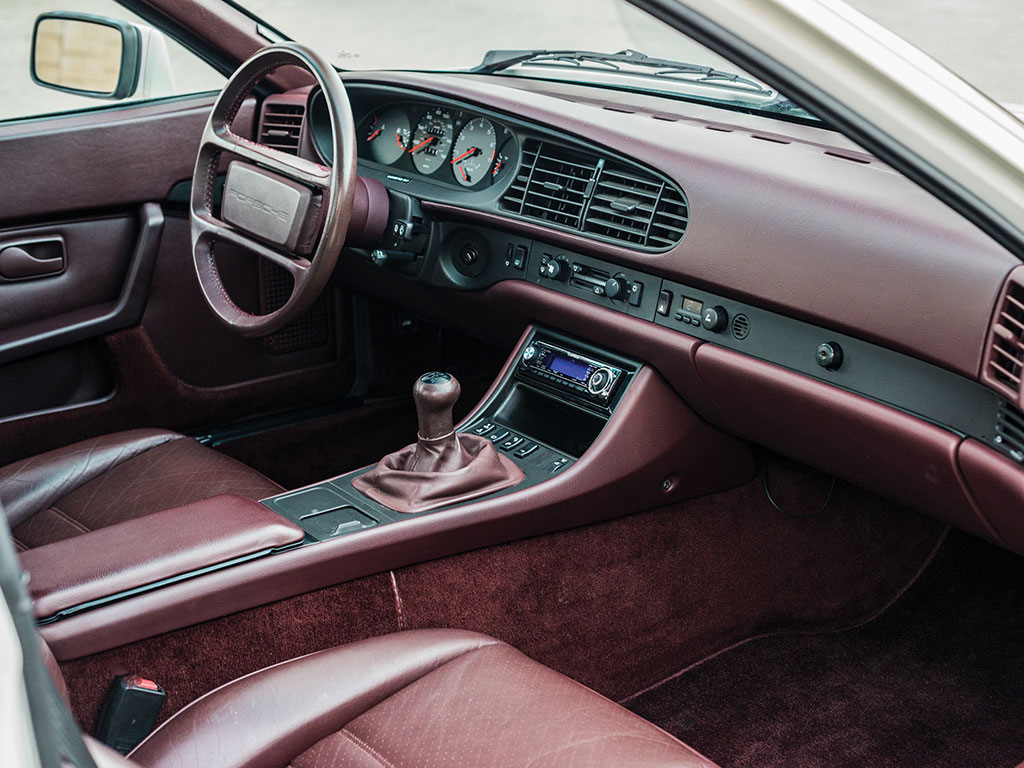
[
  {"x": 602, "y": 198},
  {"x": 281, "y": 125},
  {"x": 1004, "y": 359}
]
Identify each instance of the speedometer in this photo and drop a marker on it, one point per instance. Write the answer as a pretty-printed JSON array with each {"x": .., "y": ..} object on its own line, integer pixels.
[
  {"x": 432, "y": 140},
  {"x": 474, "y": 151}
]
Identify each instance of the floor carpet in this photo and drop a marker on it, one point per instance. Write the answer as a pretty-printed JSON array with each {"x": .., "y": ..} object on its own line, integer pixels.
[{"x": 936, "y": 680}]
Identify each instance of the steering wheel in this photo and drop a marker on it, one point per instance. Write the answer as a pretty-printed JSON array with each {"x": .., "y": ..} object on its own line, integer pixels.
[{"x": 288, "y": 210}]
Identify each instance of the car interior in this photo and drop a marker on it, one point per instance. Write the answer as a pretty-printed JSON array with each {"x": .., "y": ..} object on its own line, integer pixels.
[{"x": 451, "y": 418}]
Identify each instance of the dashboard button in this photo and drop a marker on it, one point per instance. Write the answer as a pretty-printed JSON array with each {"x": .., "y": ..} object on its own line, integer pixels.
[
  {"x": 664, "y": 303},
  {"x": 636, "y": 294},
  {"x": 526, "y": 450}
]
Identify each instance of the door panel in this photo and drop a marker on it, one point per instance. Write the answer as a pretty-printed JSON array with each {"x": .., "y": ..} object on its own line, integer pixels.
[{"x": 122, "y": 337}]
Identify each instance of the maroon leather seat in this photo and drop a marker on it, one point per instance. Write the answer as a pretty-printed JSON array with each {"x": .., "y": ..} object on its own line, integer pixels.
[
  {"x": 424, "y": 698},
  {"x": 113, "y": 478}
]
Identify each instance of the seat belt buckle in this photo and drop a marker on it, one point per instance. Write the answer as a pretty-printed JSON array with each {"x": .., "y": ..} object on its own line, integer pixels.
[{"x": 129, "y": 712}]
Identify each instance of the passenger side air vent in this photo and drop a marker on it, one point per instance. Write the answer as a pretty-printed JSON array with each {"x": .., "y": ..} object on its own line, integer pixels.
[
  {"x": 1010, "y": 431},
  {"x": 1004, "y": 358},
  {"x": 606, "y": 199},
  {"x": 281, "y": 126}
]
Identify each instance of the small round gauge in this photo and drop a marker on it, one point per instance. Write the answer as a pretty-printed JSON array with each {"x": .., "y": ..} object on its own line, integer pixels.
[
  {"x": 474, "y": 151},
  {"x": 432, "y": 140},
  {"x": 387, "y": 134},
  {"x": 505, "y": 159}
]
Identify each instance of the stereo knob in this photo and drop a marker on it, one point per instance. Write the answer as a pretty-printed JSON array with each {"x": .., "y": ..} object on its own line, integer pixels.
[
  {"x": 529, "y": 353},
  {"x": 554, "y": 269},
  {"x": 617, "y": 288},
  {"x": 599, "y": 381},
  {"x": 714, "y": 319}
]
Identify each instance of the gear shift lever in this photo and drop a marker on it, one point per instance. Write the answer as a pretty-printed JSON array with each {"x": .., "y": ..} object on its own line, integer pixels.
[
  {"x": 441, "y": 467},
  {"x": 435, "y": 395},
  {"x": 437, "y": 446}
]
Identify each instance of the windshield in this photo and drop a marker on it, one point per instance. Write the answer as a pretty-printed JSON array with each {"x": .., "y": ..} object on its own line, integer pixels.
[{"x": 457, "y": 35}]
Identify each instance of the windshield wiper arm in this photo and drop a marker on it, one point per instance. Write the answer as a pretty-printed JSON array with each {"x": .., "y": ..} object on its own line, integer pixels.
[{"x": 495, "y": 61}]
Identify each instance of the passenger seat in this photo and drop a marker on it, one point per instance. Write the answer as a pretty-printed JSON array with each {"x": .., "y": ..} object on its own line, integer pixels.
[{"x": 423, "y": 699}]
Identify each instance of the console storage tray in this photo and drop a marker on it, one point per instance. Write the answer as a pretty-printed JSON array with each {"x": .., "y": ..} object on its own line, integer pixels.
[{"x": 121, "y": 559}]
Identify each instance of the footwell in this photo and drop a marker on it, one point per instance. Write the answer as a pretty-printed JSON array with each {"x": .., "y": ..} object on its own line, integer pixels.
[{"x": 936, "y": 680}]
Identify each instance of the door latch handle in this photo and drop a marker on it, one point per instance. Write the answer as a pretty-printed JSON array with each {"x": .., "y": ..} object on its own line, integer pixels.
[{"x": 28, "y": 259}]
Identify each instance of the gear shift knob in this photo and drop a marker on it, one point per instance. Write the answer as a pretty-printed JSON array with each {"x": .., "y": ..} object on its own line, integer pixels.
[{"x": 435, "y": 394}]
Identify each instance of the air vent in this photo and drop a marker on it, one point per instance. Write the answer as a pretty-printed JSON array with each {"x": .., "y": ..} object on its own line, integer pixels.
[
  {"x": 623, "y": 205},
  {"x": 1004, "y": 361},
  {"x": 1010, "y": 431},
  {"x": 740, "y": 327},
  {"x": 280, "y": 126},
  {"x": 605, "y": 199},
  {"x": 553, "y": 184}
]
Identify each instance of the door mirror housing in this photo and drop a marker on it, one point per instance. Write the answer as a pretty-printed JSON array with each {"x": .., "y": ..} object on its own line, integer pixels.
[{"x": 86, "y": 55}]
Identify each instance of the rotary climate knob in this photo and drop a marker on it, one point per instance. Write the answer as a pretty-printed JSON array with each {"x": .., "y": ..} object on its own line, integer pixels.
[
  {"x": 617, "y": 288},
  {"x": 554, "y": 269}
]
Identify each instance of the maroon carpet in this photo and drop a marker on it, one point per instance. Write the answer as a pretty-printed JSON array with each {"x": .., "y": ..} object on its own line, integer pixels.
[
  {"x": 937, "y": 680},
  {"x": 618, "y": 606}
]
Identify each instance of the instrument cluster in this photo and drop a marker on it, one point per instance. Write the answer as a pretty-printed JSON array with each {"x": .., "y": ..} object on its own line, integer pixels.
[{"x": 434, "y": 142}]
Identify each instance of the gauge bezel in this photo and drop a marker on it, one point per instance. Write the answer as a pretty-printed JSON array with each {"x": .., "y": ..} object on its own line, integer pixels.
[
  {"x": 416, "y": 109},
  {"x": 485, "y": 173},
  {"x": 373, "y": 148}
]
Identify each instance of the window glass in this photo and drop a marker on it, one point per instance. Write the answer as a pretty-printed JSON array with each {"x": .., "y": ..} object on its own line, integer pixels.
[
  {"x": 980, "y": 40},
  {"x": 20, "y": 97}
]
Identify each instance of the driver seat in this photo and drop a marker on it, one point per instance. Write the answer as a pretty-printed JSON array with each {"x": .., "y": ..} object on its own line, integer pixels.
[{"x": 114, "y": 478}]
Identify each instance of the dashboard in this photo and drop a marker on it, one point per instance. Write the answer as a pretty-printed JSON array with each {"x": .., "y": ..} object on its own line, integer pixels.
[
  {"x": 447, "y": 151},
  {"x": 715, "y": 239}
]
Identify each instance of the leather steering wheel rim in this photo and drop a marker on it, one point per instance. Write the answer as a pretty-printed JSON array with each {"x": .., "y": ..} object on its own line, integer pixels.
[{"x": 336, "y": 184}]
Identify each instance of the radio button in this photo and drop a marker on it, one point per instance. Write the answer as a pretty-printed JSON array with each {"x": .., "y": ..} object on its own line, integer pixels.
[{"x": 498, "y": 435}]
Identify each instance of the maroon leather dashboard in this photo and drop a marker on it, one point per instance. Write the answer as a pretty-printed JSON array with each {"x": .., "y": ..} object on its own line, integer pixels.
[{"x": 799, "y": 223}]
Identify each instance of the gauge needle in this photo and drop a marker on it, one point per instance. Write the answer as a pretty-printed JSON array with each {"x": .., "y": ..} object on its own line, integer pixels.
[
  {"x": 463, "y": 172},
  {"x": 422, "y": 144},
  {"x": 464, "y": 155},
  {"x": 374, "y": 135},
  {"x": 398, "y": 138}
]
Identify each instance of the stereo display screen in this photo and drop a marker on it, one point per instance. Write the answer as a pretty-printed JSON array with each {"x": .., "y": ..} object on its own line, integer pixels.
[{"x": 574, "y": 369}]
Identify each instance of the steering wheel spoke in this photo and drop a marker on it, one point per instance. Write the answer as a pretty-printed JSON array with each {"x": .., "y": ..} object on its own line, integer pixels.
[
  {"x": 215, "y": 230},
  {"x": 296, "y": 168},
  {"x": 337, "y": 182}
]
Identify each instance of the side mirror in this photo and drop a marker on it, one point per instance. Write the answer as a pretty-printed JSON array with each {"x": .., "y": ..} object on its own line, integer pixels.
[
  {"x": 86, "y": 55},
  {"x": 100, "y": 57}
]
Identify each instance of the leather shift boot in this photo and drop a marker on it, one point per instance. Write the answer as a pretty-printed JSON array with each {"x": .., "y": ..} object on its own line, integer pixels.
[{"x": 431, "y": 474}]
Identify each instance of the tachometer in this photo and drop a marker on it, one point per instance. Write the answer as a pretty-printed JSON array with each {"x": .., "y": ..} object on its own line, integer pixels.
[
  {"x": 474, "y": 151},
  {"x": 432, "y": 140},
  {"x": 388, "y": 135}
]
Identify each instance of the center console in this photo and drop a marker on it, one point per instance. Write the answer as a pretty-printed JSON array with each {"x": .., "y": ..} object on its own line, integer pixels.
[
  {"x": 548, "y": 407},
  {"x": 587, "y": 435}
]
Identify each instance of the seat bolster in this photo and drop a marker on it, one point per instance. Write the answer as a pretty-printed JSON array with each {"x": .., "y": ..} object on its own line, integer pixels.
[
  {"x": 270, "y": 716},
  {"x": 32, "y": 485}
]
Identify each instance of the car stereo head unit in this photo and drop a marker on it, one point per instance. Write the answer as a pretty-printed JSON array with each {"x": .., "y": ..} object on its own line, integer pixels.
[{"x": 569, "y": 371}]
